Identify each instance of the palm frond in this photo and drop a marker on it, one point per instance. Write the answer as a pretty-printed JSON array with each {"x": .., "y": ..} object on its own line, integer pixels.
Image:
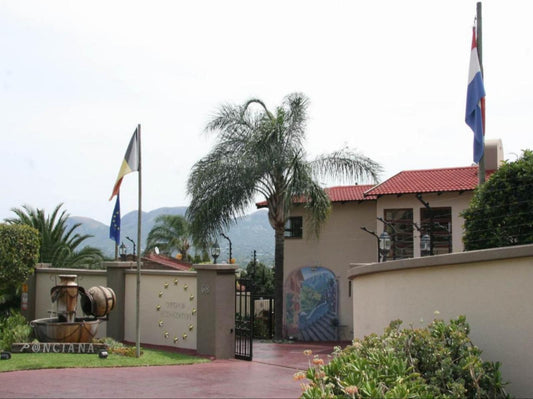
[{"x": 346, "y": 165}]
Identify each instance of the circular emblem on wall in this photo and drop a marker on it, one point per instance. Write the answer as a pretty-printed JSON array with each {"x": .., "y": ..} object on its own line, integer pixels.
[{"x": 170, "y": 308}]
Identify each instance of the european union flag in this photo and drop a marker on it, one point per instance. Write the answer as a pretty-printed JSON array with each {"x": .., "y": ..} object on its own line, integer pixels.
[{"x": 114, "y": 228}]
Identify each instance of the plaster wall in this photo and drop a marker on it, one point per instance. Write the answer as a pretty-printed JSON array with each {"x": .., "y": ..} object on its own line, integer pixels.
[
  {"x": 491, "y": 287},
  {"x": 167, "y": 308},
  {"x": 341, "y": 241}
]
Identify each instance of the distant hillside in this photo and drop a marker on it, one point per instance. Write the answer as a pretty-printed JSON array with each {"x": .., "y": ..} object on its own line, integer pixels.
[{"x": 251, "y": 232}]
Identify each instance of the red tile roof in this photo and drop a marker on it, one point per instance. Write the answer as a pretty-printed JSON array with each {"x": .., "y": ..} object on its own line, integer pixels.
[
  {"x": 337, "y": 194},
  {"x": 406, "y": 182},
  {"x": 349, "y": 193},
  {"x": 162, "y": 260},
  {"x": 429, "y": 181}
]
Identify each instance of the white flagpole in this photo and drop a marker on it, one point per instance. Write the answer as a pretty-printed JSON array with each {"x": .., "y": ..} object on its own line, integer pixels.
[{"x": 138, "y": 298}]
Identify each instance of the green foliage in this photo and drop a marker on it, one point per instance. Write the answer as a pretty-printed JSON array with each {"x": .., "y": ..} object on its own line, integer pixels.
[
  {"x": 13, "y": 328},
  {"x": 19, "y": 251},
  {"x": 262, "y": 277},
  {"x": 501, "y": 211},
  {"x": 58, "y": 243},
  {"x": 170, "y": 233},
  {"x": 439, "y": 361}
]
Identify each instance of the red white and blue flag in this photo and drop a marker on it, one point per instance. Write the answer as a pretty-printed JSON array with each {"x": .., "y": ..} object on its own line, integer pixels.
[{"x": 475, "y": 101}]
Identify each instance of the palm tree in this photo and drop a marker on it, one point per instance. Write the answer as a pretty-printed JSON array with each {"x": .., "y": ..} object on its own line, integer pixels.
[
  {"x": 170, "y": 233},
  {"x": 262, "y": 153},
  {"x": 59, "y": 243}
]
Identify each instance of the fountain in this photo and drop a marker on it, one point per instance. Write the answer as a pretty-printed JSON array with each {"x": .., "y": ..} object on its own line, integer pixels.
[{"x": 96, "y": 303}]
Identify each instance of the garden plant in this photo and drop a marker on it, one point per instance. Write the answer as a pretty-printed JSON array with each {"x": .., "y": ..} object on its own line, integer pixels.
[{"x": 439, "y": 361}]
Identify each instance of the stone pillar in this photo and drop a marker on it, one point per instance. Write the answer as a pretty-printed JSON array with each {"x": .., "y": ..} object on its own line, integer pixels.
[
  {"x": 116, "y": 280},
  {"x": 216, "y": 310}
]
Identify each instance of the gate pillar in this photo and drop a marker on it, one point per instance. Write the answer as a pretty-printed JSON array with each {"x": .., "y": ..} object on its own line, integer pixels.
[{"x": 216, "y": 310}]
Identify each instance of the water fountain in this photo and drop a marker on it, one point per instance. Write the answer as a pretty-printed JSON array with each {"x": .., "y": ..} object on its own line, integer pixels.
[{"x": 96, "y": 303}]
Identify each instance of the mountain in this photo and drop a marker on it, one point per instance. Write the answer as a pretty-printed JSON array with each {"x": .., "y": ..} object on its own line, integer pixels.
[{"x": 251, "y": 232}]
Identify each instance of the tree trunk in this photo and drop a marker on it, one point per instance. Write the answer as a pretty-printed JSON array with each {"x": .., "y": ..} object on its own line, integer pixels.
[{"x": 278, "y": 283}]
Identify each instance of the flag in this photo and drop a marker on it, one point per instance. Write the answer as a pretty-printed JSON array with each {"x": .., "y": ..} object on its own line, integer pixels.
[
  {"x": 130, "y": 163},
  {"x": 475, "y": 101},
  {"x": 114, "y": 227}
]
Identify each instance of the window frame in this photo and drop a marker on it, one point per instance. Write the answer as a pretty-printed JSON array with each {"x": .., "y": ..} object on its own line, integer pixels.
[{"x": 294, "y": 227}]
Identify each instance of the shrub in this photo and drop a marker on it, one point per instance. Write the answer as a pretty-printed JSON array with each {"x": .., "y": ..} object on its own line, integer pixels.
[
  {"x": 118, "y": 348},
  {"x": 437, "y": 361},
  {"x": 14, "y": 328}
]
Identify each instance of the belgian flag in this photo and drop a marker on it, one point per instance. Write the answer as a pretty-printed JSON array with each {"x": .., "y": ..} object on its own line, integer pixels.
[{"x": 130, "y": 163}]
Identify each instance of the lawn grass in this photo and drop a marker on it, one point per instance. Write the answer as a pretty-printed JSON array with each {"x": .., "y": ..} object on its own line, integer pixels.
[{"x": 149, "y": 357}]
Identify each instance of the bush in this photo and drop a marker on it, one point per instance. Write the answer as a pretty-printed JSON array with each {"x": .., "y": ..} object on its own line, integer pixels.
[
  {"x": 19, "y": 251},
  {"x": 501, "y": 211},
  {"x": 14, "y": 328},
  {"x": 118, "y": 348},
  {"x": 437, "y": 361}
]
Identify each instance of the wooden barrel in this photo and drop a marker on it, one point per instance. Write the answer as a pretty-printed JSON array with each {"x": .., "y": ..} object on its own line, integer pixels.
[{"x": 103, "y": 300}]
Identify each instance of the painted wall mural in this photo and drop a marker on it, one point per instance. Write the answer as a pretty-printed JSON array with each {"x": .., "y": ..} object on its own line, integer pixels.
[{"x": 311, "y": 304}]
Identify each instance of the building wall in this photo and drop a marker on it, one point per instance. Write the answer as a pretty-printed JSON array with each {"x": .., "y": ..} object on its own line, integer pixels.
[
  {"x": 340, "y": 242},
  {"x": 458, "y": 203},
  {"x": 491, "y": 287}
]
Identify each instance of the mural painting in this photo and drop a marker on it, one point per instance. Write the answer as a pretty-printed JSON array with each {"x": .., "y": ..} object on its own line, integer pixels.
[{"x": 311, "y": 304}]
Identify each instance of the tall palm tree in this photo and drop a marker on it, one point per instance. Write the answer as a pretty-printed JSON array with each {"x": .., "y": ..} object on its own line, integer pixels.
[
  {"x": 262, "y": 153},
  {"x": 170, "y": 233},
  {"x": 59, "y": 243}
]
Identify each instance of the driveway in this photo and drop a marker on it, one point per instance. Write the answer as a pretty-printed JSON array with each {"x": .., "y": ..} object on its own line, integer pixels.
[{"x": 269, "y": 375}]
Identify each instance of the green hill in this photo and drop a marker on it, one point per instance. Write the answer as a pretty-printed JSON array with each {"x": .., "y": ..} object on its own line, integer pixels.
[{"x": 251, "y": 232}]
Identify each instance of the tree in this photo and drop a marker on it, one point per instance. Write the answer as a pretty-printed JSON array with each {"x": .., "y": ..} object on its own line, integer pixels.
[
  {"x": 501, "y": 211},
  {"x": 262, "y": 277},
  {"x": 170, "y": 233},
  {"x": 19, "y": 251},
  {"x": 58, "y": 243},
  {"x": 262, "y": 153}
]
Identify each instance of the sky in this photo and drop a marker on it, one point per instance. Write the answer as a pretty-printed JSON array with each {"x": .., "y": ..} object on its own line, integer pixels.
[{"x": 387, "y": 78}]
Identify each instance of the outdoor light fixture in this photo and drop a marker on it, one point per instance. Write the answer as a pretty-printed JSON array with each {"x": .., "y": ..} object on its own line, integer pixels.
[
  {"x": 384, "y": 244},
  {"x": 133, "y": 242},
  {"x": 425, "y": 243},
  {"x": 5, "y": 356},
  {"x": 122, "y": 249},
  {"x": 102, "y": 354},
  {"x": 227, "y": 238},
  {"x": 215, "y": 252}
]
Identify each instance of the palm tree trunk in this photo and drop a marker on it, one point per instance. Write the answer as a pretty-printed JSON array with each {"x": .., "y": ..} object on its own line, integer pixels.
[{"x": 278, "y": 283}]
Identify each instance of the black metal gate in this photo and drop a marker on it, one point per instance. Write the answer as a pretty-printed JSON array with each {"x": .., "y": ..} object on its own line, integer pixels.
[{"x": 244, "y": 319}]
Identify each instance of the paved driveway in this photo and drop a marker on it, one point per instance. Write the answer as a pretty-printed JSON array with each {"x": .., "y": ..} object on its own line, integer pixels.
[{"x": 269, "y": 375}]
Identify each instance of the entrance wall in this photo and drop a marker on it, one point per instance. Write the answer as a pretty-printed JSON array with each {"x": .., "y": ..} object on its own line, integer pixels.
[{"x": 491, "y": 287}]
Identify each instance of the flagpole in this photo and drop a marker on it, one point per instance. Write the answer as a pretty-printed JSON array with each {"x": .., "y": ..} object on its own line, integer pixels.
[
  {"x": 138, "y": 298},
  {"x": 481, "y": 165}
]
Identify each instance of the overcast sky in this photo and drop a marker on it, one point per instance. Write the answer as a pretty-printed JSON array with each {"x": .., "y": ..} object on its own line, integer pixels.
[{"x": 385, "y": 77}]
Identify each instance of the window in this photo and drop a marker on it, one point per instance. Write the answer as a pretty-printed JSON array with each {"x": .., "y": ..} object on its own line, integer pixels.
[
  {"x": 400, "y": 229},
  {"x": 294, "y": 227},
  {"x": 439, "y": 229}
]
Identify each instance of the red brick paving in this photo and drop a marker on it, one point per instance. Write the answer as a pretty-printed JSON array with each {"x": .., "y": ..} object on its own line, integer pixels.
[{"x": 269, "y": 375}]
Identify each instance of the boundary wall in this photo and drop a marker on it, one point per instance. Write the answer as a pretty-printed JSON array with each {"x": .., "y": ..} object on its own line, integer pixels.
[
  {"x": 174, "y": 311},
  {"x": 492, "y": 288}
]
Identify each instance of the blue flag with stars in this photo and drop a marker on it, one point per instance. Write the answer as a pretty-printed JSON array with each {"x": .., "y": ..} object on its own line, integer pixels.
[{"x": 114, "y": 228}]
